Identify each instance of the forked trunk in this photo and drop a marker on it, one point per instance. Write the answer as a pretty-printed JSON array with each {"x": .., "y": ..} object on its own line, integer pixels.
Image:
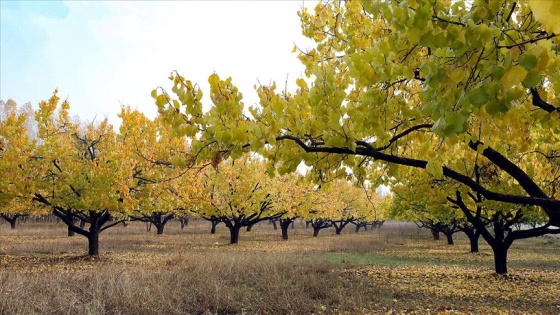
[
  {"x": 213, "y": 228},
  {"x": 316, "y": 231},
  {"x": 358, "y": 226}
]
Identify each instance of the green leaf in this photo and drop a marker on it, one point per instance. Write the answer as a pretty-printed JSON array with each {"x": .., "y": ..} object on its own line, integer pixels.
[
  {"x": 478, "y": 97},
  {"x": 494, "y": 107},
  {"x": 532, "y": 79},
  {"x": 528, "y": 61},
  {"x": 422, "y": 17},
  {"x": 435, "y": 169}
]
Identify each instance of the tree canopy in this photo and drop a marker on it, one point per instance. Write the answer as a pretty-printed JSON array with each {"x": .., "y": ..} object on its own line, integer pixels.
[{"x": 445, "y": 86}]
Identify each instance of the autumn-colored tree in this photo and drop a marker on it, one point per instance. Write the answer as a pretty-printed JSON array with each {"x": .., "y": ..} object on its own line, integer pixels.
[
  {"x": 162, "y": 190},
  {"x": 239, "y": 193},
  {"x": 423, "y": 201},
  {"x": 294, "y": 196},
  {"x": 399, "y": 83},
  {"x": 17, "y": 164},
  {"x": 374, "y": 212},
  {"x": 352, "y": 200},
  {"x": 87, "y": 172}
]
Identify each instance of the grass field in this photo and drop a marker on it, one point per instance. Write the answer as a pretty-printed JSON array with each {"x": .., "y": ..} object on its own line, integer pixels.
[{"x": 397, "y": 269}]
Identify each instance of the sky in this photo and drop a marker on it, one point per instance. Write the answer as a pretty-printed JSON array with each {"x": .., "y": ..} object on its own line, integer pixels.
[{"x": 102, "y": 55}]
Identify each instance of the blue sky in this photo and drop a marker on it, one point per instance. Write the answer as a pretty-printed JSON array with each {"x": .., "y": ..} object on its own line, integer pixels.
[{"x": 101, "y": 55}]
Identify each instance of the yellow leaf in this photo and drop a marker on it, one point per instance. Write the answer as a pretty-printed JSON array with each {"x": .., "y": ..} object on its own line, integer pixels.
[
  {"x": 548, "y": 13},
  {"x": 301, "y": 83},
  {"x": 514, "y": 76},
  {"x": 213, "y": 80}
]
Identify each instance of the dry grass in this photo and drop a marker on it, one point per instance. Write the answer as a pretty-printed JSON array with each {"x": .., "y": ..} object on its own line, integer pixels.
[{"x": 189, "y": 271}]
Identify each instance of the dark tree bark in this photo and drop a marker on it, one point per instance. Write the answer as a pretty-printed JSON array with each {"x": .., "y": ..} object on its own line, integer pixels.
[
  {"x": 284, "y": 225},
  {"x": 339, "y": 225},
  {"x": 535, "y": 196},
  {"x": 500, "y": 257},
  {"x": 472, "y": 233},
  {"x": 316, "y": 231},
  {"x": 184, "y": 220},
  {"x": 250, "y": 226},
  {"x": 448, "y": 229},
  {"x": 274, "y": 225},
  {"x": 435, "y": 234},
  {"x": 97, "y": 224},
  {"x": 157, "y": 218},
  {"x": 214, "y": 222},
  {"x": 318, "y": 225},
  {"x": 93, "y": 242},
  {"x": 501, "y": 224},
  {"x": 474, "y": 242},
  {"x": 449, "y": 237},
  {"x": 234, "y": 234},
  {"x": 12, "y": 219},
  {"x": 359, "y": 224}
]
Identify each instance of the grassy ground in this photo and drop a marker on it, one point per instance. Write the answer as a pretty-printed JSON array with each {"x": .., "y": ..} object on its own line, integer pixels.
[{"x": 396, "y": 269}]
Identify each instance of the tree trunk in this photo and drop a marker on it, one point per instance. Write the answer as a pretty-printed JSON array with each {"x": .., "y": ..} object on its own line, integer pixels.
[
  {"x": 82, "y": 224},
  {"x": 234, "y": 234},
  {"x": 70, "y": 232},
  {"x": 159, "y": 228},
  {"x": 500, "y": 258},
  {"x": 284, "y": 231},
  {"x": 274, "y": 224},
  {"x": 358, "y": 226},
  {"x": 184, "y": 222},
  {"x": 159, "y": 222},
  {"x": 250, "y": 227},
  {"x": 473, "y": 239},
  {"x": 284, "y": 225},
  {"x": 435, "y": 234},
  {"x": 213, "y": 228},
  {"x": 449, "y": 237},
  {"x": 338, "y": 229},
  {"x": 11, "y": 219},
  {"x": 93, "y": 243},
  {"x": 316, "y": 231}
]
